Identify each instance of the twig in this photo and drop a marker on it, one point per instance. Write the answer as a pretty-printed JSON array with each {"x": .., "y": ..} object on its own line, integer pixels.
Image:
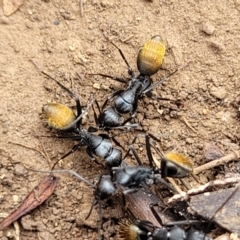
[
  {"x": 173, "y": 182},
  {"x": 127, "y": 38},
  {"x": 81, "y": 7},
  {"x": 188, "y": 124},
  {"x": 203, "y": 188},
  {"x": 230, "y": 157},
  {"x": 44, "y": 150},
  {"x": 31, "y": 148},
  {"x": 17, "y": 230}
]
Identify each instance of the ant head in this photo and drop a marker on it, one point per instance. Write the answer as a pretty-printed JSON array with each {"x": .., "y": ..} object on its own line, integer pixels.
[
  {"x": 105, "y": 187},
  {"x": 150, "y": 56},
  {"x": 131, "y": 176},
  {"x": 175, "y": 165}
]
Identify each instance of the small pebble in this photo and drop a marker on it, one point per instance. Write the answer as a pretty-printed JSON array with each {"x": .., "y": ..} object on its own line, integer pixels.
[
  {"x": 15, "y": 198},
  {"x": 217, "y": 46},
  {"x": 212, "y": 152},
  {"x": 72, "y": 48},
  {"x": 46, "y": 235},
  {"x": 96, "y": 86},
  {"x": 205, "y": 111},
  {"x": 56, "y": 22},
  {"x": 1, "y": 198},
  {"x": 208, "y": 28},
  {"x": 19, "y": 170},
  {"x": 4, "y": 20},
  {"x": 218, "y": 92}
]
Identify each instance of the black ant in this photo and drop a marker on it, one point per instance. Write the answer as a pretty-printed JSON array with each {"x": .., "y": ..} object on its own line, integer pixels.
[
  {"x": 63, "y": 119},
  {"x": 127, "y": 179},
  {"x": 149, "y": 61},
  {"x": 146, "y": 230},
  {"x": 173, "y": 165},
  {"x": 124, "y": 179}
]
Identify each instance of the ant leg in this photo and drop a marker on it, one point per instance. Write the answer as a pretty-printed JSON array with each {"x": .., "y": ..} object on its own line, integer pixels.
[
  {"x": 121, "y": 80},
  {"x": 150, "y": 144},
  {"x": 90, "y": 211},
  {"x": 74, "y": 149},
  {"x": 132, "y": 149},
  {"x": 130, "y": 71},
  {"x": 94, "y": 112},
  {"x": 117, "y": 143},
  {"x": 183, "y": 222},
  {"x": 89, "y": 152},
  {"x": 127, "y": 120},
  {"x": 75, "y": 174},
  {"x": 68, "y": 136},
  {"x": 148, "y": 148},
  {"x": 162, "y": 181},
  {"x": 72, "y": 94},
  {"x": 134, "y": 125},
  {"x": 149, "y": 152},
  {"x": 78, "y": 119},
  {"x": 164, "y": 79}
]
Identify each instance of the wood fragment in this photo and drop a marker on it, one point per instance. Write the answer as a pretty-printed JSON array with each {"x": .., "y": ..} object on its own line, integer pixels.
[
  {"x": 127, "y": 38},
  {"x": 17, "y": 230},
  {"x": 202, "y": 188},
  {"x": 173, "y": 182},
  {"x": 81, "y": 7},
  {"x": 43, "y": 191},
  {"x": 188, "y": 124},
  {"x": 220, "y": 206},
  {"x": 43, "y": 152},
  {"x": 229, "y": 157}
]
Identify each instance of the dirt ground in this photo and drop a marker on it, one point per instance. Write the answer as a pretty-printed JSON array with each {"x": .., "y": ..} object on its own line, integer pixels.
[{"x": 67, "y": 45}]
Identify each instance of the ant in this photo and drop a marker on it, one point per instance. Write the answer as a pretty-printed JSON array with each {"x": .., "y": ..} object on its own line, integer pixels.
[
  {"x": 149, "y": 61},
  {"x": 124, "y": 179},
  {"x": 146, "y": 230},
  {"x": 173, "y": 165},
  {"x": 129, "y": 180},
  {"x": 63, "y": 119}
]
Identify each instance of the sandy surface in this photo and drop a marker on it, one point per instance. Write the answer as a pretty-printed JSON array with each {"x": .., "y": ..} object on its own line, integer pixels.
[{"x": 66, "y": 45}]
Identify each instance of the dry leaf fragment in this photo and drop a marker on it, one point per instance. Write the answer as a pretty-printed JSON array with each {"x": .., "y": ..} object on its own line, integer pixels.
[{"x": 35, "y": 198}]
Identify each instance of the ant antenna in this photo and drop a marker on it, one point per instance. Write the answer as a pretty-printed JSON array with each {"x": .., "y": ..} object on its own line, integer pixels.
[
  {"x": 165, "y": 78},
  {"x": 71, "y": 172}
]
